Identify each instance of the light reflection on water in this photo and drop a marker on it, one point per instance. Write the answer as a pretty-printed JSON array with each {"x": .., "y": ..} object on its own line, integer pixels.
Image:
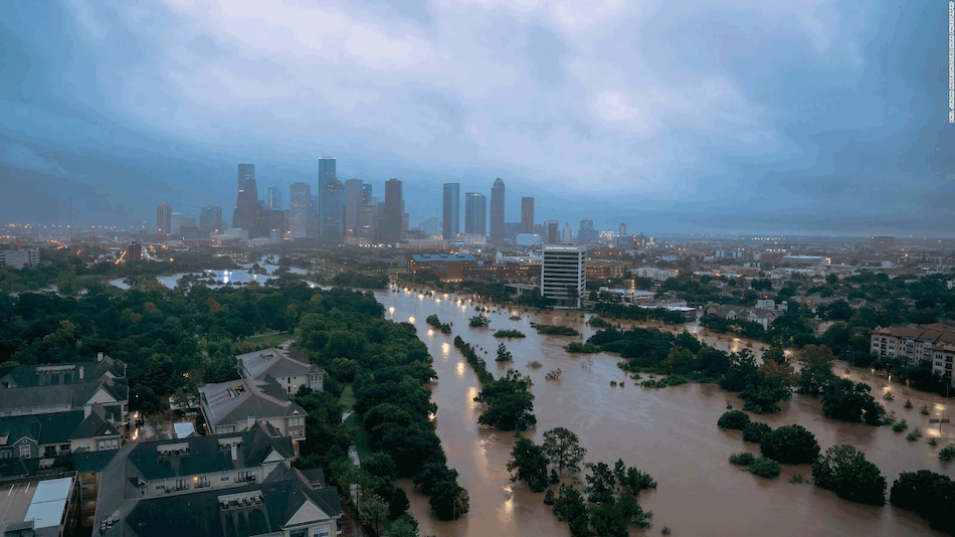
[{"x": 669, "y": 433}]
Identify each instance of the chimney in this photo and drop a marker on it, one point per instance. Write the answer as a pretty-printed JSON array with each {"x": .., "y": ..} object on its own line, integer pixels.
[
  {"x": 235, "y": 453},
  {"x": 99, "y": 357},
  {"x": 81, "y": 372}
]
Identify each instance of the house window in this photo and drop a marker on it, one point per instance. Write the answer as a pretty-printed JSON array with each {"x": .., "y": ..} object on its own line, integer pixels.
[
  {"x": 160, "y": 487},
  {"x": 6, "y": 454},
  {"x": 299, "y": 533},
  {"x": 24, "y": 451},
  {"x": 182, "y": 484},
  {"x": 203, "y": 481},
  {"x": 321, "y": 533},
  {"x": 223, "y": 477}
]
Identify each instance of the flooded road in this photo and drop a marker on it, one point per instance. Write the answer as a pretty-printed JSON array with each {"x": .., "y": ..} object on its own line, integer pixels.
[{"x": 670, "y": 433}]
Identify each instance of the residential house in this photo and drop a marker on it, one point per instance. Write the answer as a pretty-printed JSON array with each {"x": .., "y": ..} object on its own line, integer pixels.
[
  {"x": 754, "y": 315},
  {"x": 235, "y": 406},
  {"x": 42, "y": 389},
  {"x": 204, "y": 487},
  {"x": 290, "y": 368},
  {"x": 771, "y": 305},
  {"x": 48, "y": 435}
]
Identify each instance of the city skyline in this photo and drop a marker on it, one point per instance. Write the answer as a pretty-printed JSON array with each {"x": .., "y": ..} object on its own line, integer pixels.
[{"x": 730, "y": 131}]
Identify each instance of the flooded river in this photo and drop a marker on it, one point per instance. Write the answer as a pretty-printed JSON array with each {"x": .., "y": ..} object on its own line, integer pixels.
[{"x": 670, "y": 433}]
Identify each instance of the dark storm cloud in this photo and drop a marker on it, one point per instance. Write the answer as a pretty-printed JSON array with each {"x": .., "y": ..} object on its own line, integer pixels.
[{"x": 815, "y": 114}]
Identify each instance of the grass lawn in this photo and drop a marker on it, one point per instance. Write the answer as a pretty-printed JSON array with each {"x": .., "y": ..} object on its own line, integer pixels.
[
  {"x": 270, "y": 340},
  {"x": 347, "y": 400},
  {"x": 361, "y": 438}
]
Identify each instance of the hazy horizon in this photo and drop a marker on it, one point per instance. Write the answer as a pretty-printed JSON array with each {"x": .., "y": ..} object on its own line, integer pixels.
[{"x": 823, "y": 118}]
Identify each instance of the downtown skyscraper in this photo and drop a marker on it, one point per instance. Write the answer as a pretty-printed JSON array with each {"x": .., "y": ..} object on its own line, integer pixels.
[
  {"x": 300, "y": 201},
  {"x": 275, "y": 199},
  {"x": 451, "y": 211},
  {"x": 247, "y": 200},
  {"x": 497, "y": 213},
  {"x": 164, "y": 218},
  {"x": 475, "y": 214},
  {"x": 391, "y": 227},
  {"x": 210, "y": 220},
  {"x": 331, "y": 202},
  {"x": 353, "y": 203},
  {"x": 527, "y": 215}
]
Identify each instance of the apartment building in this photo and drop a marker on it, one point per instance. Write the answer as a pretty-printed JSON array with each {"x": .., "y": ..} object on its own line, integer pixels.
[
  {"x": 48, "y": 388},
  {"x": 912, "y": 343},
  {"x": 235, "y": 484}
]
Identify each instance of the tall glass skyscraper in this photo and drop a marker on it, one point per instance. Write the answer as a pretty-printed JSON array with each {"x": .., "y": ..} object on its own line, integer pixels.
[
  {"x": 353, "y": 203},
  {"x": 331, "y": 202},
  {"x": 300, "y": 201},
  {"x": 210, "y": 220},
  {"x": 475, "y": 214},
  {"x": 275, "y": 199},
  {"x": 451, "y": 213},
  {"x": 247, "y": 201},
  {"x": 164, "y": 219}
]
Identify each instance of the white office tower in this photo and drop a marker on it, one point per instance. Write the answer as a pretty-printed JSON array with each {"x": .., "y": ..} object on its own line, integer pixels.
[{"x": 564, "y": 275}]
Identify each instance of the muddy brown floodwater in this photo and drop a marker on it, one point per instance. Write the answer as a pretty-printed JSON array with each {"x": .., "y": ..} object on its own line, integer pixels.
[{"x": 670, "y": 433}]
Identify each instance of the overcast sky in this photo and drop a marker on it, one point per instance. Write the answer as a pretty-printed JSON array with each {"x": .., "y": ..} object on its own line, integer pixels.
[{"x": 812, "y": 116}]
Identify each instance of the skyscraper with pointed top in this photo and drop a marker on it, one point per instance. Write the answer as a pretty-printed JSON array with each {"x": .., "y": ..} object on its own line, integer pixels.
[{"x": 497, "y": 213}]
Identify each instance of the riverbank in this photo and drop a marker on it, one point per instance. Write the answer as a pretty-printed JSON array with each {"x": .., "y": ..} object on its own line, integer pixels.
[{"x": 670, "y": 433}]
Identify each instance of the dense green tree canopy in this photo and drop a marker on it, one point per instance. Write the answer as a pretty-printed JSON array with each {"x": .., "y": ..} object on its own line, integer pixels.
[{"x": 845, "y": 471}]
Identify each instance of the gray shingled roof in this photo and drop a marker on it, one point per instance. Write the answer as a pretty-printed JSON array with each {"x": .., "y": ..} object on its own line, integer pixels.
[
  {"x": 229, "y": 403},
  {"x": 56, "y": 427},
  {"x": 94, "y": 426},
  {"x": 66, "y": 373},
  {"x": 205, "y": 455},
  {"x": 283, "y": 497},
  {"x": 275, "y": 362},
  {"x": 75, "y": 395}
]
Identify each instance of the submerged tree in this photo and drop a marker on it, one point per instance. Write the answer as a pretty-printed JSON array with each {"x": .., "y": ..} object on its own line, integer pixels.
[
  {"x": 529, "y": 461},
  {"x": 845, "y": 471},
  {"x": 563, "y": 448}
]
